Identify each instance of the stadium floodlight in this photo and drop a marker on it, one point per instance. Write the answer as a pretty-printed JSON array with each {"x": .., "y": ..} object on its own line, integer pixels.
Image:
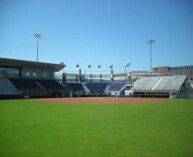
[
  {"x": 99, "y": 66},
  {"x": 111, "y": 66},
  {"x": 38, "y": 36},
  {"x": 150, "y": 42},
  {"x": 128, "y": 65},
  {"x": 89, "y": 66}
]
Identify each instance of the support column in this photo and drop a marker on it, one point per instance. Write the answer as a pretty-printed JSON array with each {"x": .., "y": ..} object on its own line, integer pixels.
[
  {"x": 79, "y": 76},
  {"x": 20, "y": 73},
  {"x": 64, "y": 78},
  {"x": 112, "y": 76}
]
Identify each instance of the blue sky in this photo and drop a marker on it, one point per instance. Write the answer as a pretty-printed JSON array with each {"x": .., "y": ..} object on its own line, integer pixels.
[{"x": 98, "y": 32}]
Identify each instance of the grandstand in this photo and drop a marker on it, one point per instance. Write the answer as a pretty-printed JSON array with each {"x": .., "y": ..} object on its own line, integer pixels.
[
  {"x": 19, "y": 78},
  {"x": 159, "y": 86}
]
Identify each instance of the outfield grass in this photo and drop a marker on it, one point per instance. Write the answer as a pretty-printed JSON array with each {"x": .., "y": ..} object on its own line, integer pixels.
[{"x": 33, "y": 129}]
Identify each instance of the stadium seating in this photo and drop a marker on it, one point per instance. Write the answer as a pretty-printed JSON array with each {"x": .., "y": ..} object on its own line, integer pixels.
[
  {"x": 49, "y": 84},
  {"x": 38, "y": 87},
  {"x": 97, "y": 88},
  {"x": 25, "y": 84},
  {"x": 159, "y": 83},
  {"x": 7, "y": 88},
  {"x": 32, "y": 84},
  {"x": 116, "y": 86},
  {"x": 76, "y": 88}
]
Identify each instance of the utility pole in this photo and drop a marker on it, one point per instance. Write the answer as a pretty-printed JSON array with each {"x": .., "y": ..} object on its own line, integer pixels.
[{"x": 38, "y": 36}]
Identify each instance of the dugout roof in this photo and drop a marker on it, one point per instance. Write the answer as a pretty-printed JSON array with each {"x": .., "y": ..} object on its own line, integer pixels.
[{"x": 20, "y": 64}]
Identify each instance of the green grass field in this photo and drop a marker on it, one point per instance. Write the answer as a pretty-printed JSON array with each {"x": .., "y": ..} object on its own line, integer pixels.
[{"x": 33, "y": 129}]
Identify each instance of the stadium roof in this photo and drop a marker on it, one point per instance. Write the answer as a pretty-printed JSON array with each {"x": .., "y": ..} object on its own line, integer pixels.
[{"x": 20, "y": 64}]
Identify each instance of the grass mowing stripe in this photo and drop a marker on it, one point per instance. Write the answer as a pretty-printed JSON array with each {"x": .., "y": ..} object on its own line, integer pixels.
[{"x": 33, "y": 129}]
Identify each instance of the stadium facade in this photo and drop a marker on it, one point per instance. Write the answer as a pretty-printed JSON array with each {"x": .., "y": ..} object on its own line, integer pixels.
[{"x": 24, "y": 79}]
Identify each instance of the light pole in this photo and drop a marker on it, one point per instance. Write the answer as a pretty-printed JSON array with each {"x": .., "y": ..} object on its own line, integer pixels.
[
  {"x": 78, "y": 76},
  {"x": 150, "y": 42},
  {"x": 89, "y": 66},
  {"x": 100, "y": 75},
  {"x": 111, "y": 75},
  {"x": 38, "y": 36},
  {"x": 128, "y": 65}
]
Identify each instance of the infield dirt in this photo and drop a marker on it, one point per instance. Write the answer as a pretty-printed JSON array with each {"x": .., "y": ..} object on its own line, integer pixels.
[{"x": 101, "y": 100}]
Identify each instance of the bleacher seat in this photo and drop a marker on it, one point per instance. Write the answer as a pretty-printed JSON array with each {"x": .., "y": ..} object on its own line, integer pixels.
[
  {"x": 49, "y": 84},
  {"x": 96, "y": 88},
  {"x": 7, "y": 88},
  {"x": 76, "y": 88},
  {"x": 25, "y": 84},
  {"x": 159, "y": 83},
  {"x": 116, "y": 86}
]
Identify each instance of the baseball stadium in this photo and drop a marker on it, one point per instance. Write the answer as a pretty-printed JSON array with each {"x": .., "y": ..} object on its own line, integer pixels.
[
  {"x": 28, "y": 79},
  {"x": 96, "y": 78},
  {"x": 136, "y": 113}
]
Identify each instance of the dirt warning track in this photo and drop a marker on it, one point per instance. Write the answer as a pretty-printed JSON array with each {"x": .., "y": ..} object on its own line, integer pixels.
[{"x": 101, "y": 100}]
